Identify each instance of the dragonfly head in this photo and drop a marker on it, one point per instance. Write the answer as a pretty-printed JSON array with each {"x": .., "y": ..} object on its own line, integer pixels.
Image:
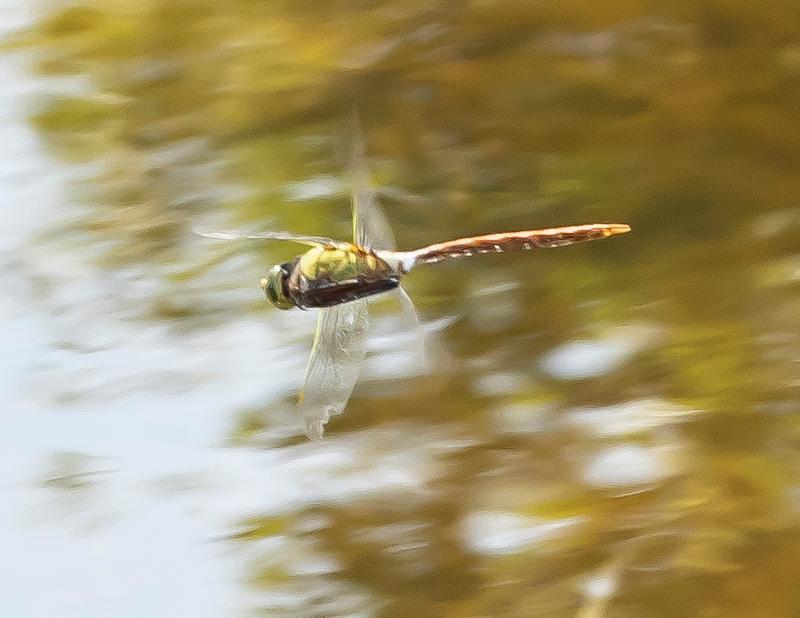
[{"x": 274, "y": 286}]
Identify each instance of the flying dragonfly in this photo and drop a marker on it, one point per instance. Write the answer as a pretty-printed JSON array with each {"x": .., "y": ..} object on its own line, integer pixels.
[{"x": 338, "y": 277}]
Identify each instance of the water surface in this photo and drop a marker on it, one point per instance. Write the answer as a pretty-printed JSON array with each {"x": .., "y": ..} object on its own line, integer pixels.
[{"x": 608, "y": 429}]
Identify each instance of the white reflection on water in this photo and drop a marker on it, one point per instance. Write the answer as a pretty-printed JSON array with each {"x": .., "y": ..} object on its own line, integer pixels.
[
  {"x": 629, "y": 465},
  {"x": 499, "y": 533},
  {"x": 630, "y": 417},
  {"x": 580, "y": 360},
  {"x": 500, "y": 383}
]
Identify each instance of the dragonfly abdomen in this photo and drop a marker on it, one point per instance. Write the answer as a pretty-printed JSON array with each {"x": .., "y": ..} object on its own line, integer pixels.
[{"x": 515, "y": 241}]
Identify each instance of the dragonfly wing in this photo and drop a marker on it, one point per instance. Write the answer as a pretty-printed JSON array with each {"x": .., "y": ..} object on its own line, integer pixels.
[
  {"x": 269, "y": 235},
  {"x": 413, "y": 325},
  {"x": 409, "y": 310},
  {"x": 336, "y": 358},
  {"x": 371, "y": 229}
]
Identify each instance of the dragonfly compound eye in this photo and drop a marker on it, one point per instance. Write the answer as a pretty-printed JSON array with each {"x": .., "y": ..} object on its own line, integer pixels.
[{"x": 274, "y": 286}]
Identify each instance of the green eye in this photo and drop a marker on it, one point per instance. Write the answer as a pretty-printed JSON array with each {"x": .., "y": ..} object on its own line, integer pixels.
[{"x": 273, "y": 286}]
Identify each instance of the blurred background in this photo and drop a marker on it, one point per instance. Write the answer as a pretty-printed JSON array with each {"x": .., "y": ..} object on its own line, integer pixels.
[{"x": 610, "y": 429}]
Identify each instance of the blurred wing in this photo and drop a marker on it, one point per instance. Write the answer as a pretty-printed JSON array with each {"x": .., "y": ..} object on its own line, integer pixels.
[
  {"x": 409, "y": 310},
  {"x": 336, "y": 358},
  {"x": 236, "y": 235},
  {"x": 371, "y": 229},
  {"x": 412, "y": 323}
]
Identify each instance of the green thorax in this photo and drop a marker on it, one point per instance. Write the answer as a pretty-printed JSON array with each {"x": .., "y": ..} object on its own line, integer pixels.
[{"x": 339, "y": 265}]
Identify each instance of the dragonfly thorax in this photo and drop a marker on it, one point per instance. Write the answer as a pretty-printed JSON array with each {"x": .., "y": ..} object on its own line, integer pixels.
[{"x": 330, "y": 275}]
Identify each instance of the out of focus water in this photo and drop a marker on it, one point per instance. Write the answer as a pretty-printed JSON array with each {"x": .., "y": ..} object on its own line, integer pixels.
[{"x": 608, "y": 429}]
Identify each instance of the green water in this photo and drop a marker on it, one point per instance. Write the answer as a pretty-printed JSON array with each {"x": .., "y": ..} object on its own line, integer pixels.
[{"x": 609, "y": 429}]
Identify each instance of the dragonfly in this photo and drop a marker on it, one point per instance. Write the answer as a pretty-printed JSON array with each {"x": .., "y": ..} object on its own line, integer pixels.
[{"x": 338, "y": 277}]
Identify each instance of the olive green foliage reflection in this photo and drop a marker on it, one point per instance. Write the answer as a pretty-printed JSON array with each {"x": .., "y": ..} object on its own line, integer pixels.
[{"x": 682, "y": 119}]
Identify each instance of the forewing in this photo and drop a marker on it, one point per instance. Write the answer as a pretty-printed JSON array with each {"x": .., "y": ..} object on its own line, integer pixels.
[
  {"x": 270, "y": 235},
  {"x": 336, "y": 358},
  {"x": 371, "y": 229}
]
